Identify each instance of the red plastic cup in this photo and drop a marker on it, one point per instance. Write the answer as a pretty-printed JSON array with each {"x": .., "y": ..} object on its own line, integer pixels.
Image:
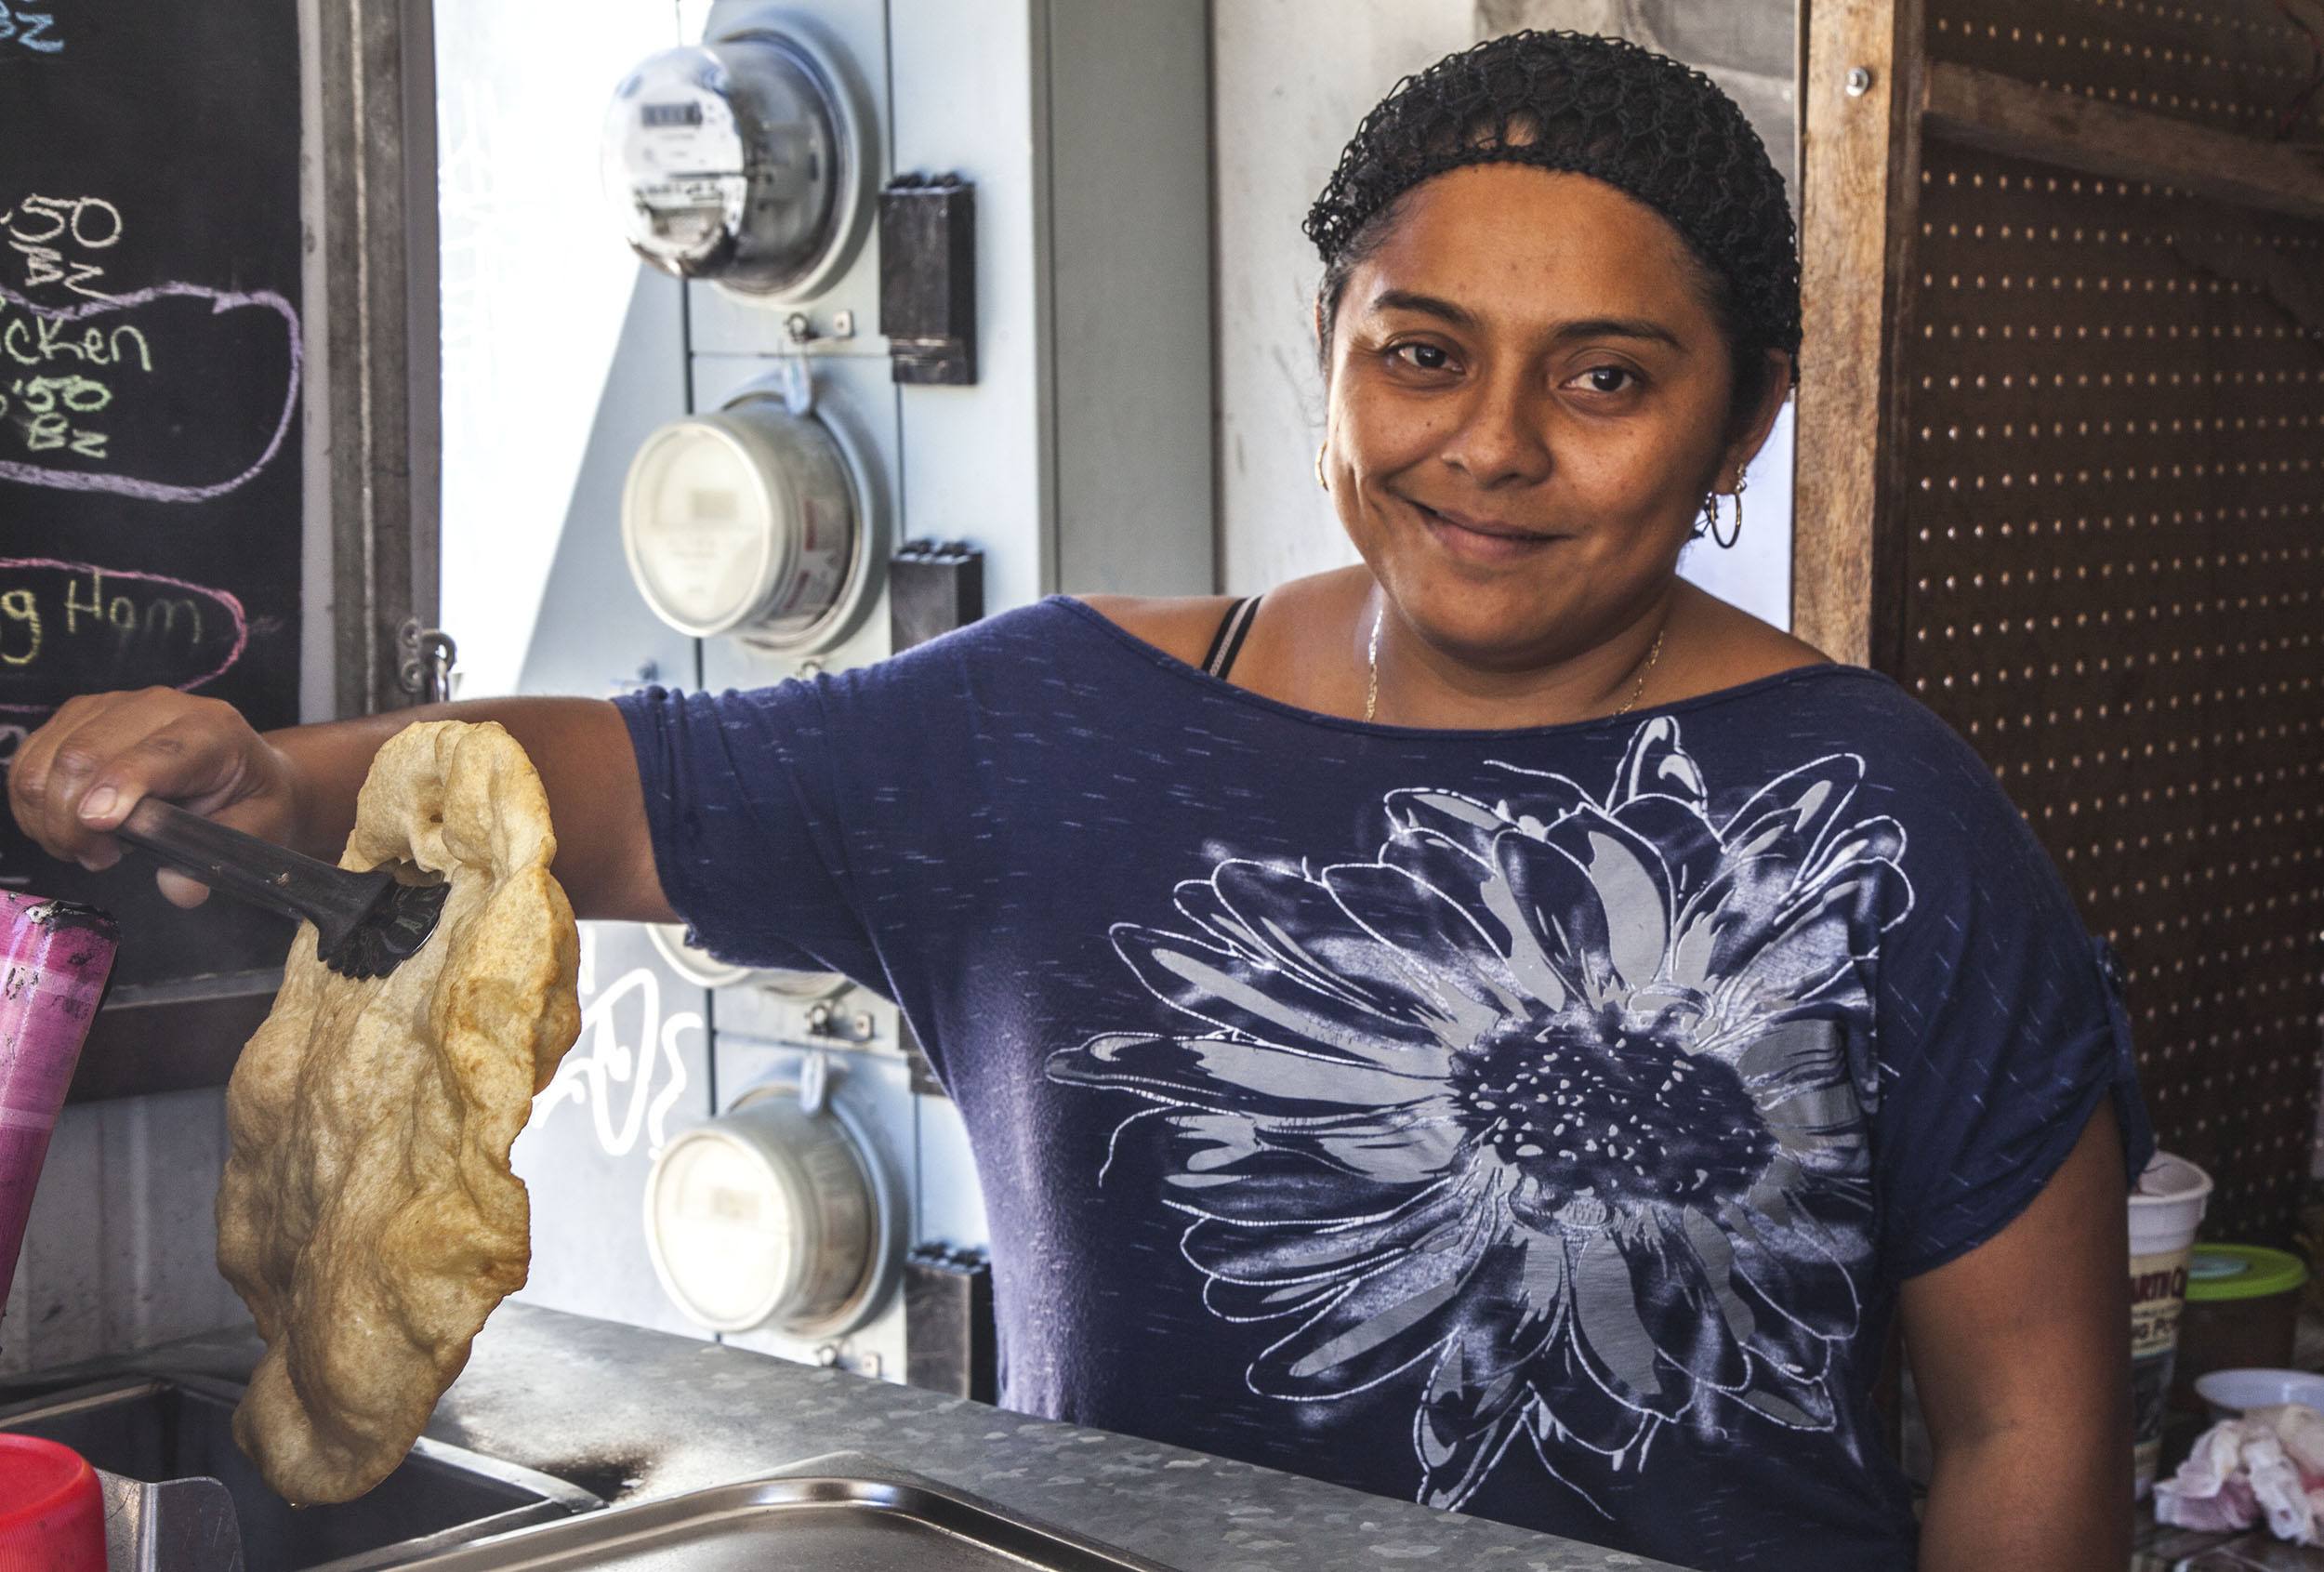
[{"x": 52, "y": 1510}]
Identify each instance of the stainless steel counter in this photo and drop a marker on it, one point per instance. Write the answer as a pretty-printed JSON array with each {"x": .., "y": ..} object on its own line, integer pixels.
[{"x": 636, "y": 1415}]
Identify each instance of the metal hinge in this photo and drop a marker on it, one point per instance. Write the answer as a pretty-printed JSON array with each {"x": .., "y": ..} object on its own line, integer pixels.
[{"x": 429, "y": 656}]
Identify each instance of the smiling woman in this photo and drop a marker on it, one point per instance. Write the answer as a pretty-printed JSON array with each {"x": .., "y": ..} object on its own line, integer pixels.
[
  {"x": 1558, "y": 316},
  {"x": 1530, "y": 396},
  {"x": 1503, "y": 1028}
]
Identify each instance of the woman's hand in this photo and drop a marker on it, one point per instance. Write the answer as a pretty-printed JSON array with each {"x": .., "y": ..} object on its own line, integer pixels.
[
  {"x": 76, "y": 778},
  {"x": 297, "y": 787},
  {"x": 2020, "y": 1351}
]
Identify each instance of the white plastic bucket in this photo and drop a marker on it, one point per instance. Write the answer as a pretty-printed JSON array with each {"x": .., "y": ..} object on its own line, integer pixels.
[{"x": 2166, "y": 1209}]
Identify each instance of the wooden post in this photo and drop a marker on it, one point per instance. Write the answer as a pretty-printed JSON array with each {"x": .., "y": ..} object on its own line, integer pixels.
[{"x": 1860, "y": 155}]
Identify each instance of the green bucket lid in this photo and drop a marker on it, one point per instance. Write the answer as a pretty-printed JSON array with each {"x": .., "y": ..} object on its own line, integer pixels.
[{"x": 2229, "y": 1272}]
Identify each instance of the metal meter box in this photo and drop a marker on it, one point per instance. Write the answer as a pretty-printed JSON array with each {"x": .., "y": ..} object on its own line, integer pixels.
[{"x": 1044, "y": 409}]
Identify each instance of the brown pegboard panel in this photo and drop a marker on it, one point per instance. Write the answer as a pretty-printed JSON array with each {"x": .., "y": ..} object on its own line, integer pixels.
[
  {"x": 2239, "y": 65},
  {"x": 2113, "y": 586}
]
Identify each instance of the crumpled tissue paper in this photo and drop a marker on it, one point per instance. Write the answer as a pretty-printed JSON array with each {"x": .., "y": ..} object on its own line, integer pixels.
[{"x": 2269, "y": 1464}]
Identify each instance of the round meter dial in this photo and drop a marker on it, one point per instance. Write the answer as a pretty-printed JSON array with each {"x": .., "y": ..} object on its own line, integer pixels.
[
  {"x": 736, "y": 161},
  {"x": 773, "y": 1214},
  {"x": 724, "y": 1224},
  {"x": 744, "y": 521}
]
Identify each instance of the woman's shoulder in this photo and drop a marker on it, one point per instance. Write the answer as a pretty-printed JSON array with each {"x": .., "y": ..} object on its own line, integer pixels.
[
  {"x": 1779, "y": 694},
  {"x": 1088, "y": 642},
  {"x": 1180, "y": 626}
]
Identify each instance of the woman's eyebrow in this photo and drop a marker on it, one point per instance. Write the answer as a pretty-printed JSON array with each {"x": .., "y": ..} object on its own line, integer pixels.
[
  {"x": 1585, "y": 327},
  {"x": 1617, "y": 327},
  {"x": 1427, "y": 305}
]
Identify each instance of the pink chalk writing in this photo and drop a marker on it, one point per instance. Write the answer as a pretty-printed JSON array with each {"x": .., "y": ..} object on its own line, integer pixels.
[
  {"x": 36, "y": 338},
  {"x": 50, "y": 609}
]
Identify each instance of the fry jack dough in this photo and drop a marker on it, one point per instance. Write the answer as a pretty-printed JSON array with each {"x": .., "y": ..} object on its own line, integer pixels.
[{"x": 368, "y": 1215}]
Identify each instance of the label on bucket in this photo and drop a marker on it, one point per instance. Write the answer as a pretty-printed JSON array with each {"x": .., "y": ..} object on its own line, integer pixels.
[{"x": 2158, "y": 1290}]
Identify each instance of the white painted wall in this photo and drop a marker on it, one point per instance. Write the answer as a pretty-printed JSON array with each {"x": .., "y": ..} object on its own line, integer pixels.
[
  {"x": 1290, "y": 80},
  {"x": 529, "y": 319}
]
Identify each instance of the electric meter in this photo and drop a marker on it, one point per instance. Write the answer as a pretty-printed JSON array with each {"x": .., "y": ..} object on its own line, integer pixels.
[
  {"x": 749, "y": 521},
  {"x": 741, "y": 161},
  {"x": 777, "y": 1213}
]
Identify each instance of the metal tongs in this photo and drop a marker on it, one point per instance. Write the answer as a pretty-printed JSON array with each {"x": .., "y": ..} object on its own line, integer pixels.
[{"x": 365, "y": 923}]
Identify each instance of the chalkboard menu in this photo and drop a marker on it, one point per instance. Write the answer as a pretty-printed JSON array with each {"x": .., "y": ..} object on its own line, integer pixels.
[{"x": 151, "y": 355}]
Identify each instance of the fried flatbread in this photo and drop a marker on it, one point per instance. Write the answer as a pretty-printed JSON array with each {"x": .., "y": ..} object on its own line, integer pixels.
[{"x": 368, "y": 1216}]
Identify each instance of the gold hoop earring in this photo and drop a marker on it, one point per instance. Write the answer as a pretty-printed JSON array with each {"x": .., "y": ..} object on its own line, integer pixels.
[
  {"x": 1726, "y": 542},
  {"x": 1320, "y": 449}
]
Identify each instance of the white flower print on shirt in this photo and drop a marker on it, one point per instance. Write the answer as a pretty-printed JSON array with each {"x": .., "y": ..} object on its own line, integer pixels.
[{"x": 1547, "y": 1109}]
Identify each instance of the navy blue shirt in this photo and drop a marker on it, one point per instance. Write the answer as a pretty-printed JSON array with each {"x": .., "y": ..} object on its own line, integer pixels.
[{"x": 1537, "y": 1122}]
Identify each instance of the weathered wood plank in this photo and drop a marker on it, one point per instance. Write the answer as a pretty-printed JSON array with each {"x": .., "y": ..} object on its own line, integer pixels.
[
  {"x": 1859, "y": 158},
  {"x": 2018, "y": 119}
]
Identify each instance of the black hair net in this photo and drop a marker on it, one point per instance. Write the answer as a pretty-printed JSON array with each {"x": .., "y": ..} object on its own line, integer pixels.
[{"x": 1602, "y": 107}]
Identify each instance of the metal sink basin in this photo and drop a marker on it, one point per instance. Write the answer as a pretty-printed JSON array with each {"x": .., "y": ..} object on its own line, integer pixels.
[
  {"x": 157, "y": 1430},
  {"x": 800, "y": 1522}
]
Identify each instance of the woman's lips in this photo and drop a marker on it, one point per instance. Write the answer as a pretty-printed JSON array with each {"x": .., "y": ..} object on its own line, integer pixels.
[{"x": 1479, "y": 540}]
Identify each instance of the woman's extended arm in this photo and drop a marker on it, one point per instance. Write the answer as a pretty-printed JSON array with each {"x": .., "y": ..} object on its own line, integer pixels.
[
  {"x": 2021, "y": 1352},
  {"x": 79, "y": 776}
]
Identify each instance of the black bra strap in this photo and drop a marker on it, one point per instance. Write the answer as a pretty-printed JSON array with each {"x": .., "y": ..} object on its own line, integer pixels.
[{"x": 1227, "y": 642}]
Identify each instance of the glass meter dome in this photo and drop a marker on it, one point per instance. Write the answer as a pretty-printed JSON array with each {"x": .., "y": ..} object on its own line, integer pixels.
[{"x": 741, "y": 161}]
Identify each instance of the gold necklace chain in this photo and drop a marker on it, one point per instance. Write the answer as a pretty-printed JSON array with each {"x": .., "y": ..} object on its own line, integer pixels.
[{"x": 1371, "y": 692}]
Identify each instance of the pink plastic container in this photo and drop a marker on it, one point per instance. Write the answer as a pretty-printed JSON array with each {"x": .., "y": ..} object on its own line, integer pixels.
[{"x": 54, "y": 958}]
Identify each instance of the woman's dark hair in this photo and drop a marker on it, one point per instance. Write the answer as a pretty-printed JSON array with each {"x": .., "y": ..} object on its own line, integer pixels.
[{"x": 1640, "y": 122}]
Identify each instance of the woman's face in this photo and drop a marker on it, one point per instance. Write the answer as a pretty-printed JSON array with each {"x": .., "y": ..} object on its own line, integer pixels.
[{"x": 1529, "y": 399}]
